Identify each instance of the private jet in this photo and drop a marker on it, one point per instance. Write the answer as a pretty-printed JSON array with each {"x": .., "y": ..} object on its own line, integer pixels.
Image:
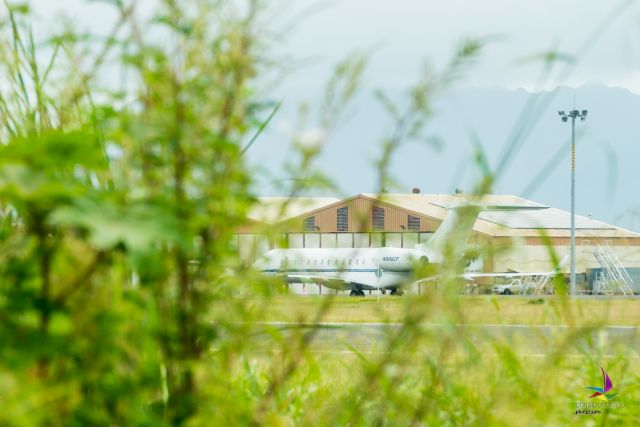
[{"x": 360, "y": 269}]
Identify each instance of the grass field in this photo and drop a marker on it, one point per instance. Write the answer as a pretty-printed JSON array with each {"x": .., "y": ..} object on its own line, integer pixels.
[
  {"x": 471, "y": 310},
  {"x": 444, "y": 374}
]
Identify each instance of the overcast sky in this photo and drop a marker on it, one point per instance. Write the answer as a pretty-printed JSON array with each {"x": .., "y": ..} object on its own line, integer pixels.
[
  {"x": 402, "y": 35},
  {"x": 406, "y": 32}
]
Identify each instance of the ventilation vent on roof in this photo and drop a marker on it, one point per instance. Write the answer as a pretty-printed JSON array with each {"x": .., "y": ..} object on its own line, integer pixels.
[{"x": 458, "y": 191}]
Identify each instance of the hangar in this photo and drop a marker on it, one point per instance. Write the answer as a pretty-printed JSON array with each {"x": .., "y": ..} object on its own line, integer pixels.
[{"x": 519, "y": 233}]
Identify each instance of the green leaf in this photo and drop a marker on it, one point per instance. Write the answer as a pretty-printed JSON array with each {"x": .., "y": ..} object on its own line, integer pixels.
[
  {"x": 55, "y": 151},
  {"x": 20, "y": 184},
  {"x": 139, "y": 227}
]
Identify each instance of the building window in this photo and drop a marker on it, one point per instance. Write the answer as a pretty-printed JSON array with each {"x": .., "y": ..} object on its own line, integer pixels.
[
  {"x": 377, "y": 219},
  {"x": 310, "y": 223},
  {"x": 343, "y": 219},
  {"x": 413, "y": 223}
]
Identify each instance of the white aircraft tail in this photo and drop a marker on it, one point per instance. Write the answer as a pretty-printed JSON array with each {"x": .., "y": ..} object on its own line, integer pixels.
[{"x": 453, "y": 232}]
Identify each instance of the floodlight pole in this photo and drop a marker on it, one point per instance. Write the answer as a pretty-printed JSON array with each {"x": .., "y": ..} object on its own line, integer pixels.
[
  {"x": 573, "y": 206},
  {"x": 582, "y": 115}
]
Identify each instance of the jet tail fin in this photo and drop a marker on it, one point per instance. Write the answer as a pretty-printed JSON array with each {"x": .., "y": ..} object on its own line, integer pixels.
[{"x": 452, "y": 233}]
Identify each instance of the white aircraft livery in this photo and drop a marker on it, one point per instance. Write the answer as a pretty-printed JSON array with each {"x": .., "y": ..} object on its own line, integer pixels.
[{"x": 359, "y": 269}]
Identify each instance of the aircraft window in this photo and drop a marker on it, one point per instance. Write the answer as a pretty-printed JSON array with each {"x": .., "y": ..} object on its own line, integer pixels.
[
  {"x": 350, "y": 261},
  {"x": 308, "y": 262},
  {"x": 315, "y": 262},
  {"x": 357, "y": 261},
  {"x": 322, "y": 262}
]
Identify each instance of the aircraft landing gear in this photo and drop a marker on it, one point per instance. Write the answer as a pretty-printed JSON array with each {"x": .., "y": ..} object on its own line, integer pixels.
[
  {"x": 396, "y": 292},
  {"x": 356, "y": 293}
]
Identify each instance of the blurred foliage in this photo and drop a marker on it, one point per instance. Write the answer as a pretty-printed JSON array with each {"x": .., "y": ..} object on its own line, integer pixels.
[
  {"x": 119, "y": 215},
  {"x": 122, "y": 297}
]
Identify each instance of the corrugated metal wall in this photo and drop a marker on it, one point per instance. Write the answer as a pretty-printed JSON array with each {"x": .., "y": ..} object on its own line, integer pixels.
[
  {"x": 360, "y": 210},
  {"x": 537, "y": 257}
]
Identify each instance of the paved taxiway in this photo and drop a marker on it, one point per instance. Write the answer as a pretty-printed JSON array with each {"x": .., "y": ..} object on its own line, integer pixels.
[{"x": 534, "y": 340}]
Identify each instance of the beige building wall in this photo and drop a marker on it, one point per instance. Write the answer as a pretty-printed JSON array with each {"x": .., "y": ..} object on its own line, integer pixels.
[
  {"x": 537, "y": 257},
  {"x": 360, "y": 217}
]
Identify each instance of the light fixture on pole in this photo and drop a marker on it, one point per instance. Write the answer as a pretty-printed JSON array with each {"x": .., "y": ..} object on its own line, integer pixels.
[{"x": 573, "y": 115}]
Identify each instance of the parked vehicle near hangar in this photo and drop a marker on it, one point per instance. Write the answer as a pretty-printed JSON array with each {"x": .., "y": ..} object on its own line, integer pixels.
[{"x": 514, "y": 287}]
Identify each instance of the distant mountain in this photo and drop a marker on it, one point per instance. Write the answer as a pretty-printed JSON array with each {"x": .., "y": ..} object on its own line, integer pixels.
[{"x": 608, "y": 150}]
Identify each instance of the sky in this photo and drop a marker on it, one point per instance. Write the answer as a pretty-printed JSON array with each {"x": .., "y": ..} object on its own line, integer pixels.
[
  {"x": 405, "y": 33},
  {"x": 400, "y": 36}
]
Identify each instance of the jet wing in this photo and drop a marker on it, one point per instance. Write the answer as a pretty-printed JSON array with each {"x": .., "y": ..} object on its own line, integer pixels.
[
  {"x": 471, "y": 276},
  {"x": 552, "y": 273}
]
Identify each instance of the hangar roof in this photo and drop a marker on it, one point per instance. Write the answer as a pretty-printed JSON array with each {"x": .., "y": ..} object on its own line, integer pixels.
[
  {"x": 540, "y": 218},
  {"x": 505, "y": 215}
]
